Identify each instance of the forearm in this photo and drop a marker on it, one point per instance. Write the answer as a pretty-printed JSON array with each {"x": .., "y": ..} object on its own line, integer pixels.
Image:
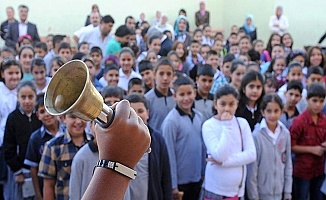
[
  {"x": 302, "y": 149},
  {"x": 48, "y": 189},
  {"x": 36, "y": 184}
]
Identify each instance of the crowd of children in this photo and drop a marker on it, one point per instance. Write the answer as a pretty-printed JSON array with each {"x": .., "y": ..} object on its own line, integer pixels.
[{"x": 229, "y": 117}]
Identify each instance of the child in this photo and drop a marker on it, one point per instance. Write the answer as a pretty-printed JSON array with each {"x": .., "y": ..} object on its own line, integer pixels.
[
  {"x": 292, "y": 96},
  {"x": 277, "y": 68},
  {"x": 154, "y": 43},
  {"x": 204, "y": 82},
  {"x": 135, "y": 85},
  {"x": 111, "y": 95},
  {"x": 207, "y": 36},
  {"x": 83, "y": 47},
  {"x": 287, "y": 42},
  {"x": 155, "y": 166},
  {"x": 51, "y": 127},
  {"x": 308, "y": 136},
  {"x": 152, "y": 57},
  {"x": 65, "y": 51},
  {"x": 270, "y": 83},
  {"x": 7, "y": 52},
  {"x": 273, "y": 40},
  {"x": 273, "y": 147},
  {"x": 184, "y": 149},
  {"x": 230, "y": 148},
  {"x": 159, "y": 99},
  {"x": 40, "y": 49},
  {"x": 181, "y": 49},
  {"x": 127, "y": 61},
  {"x": 38, "y": 70},
  {"x": 212, "y": 59},
  {"x": 235, "y": 50},
  {"x": 20, "y": 125},
  {"x": 146, "y": 71},
  {"x": 198, "y": 35},
  {"x": 219, "y": 47},
  {"x": 204, "y": 49},
  {"x": 258, "y": 45},
  {"x": 92, "y": 70},
  {"x": 26, "y": 55},
  {"x": 237, "y": 69},
  {"x": 177, "y": 63},
  {"x": 110, "y": 75},
  {"x": 277, "y": 51},
  {"x": 245, "y": 58},
  {"x": 194, "y": 58},
  {"x": 55, "y": 64},
  {"x": 251, "y": 93},
  {"x": 96, "y": 54},
  {"x": 315, "y": 57},
  {"x": 245, "y": 44}
]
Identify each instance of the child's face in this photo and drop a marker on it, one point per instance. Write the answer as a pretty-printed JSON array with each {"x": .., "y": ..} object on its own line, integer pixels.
[
  {"x": 279, "y": 66},
  {"x": 226, "y": 69},
  {"x": 315, "y": 105},
  {"x": 234, "y": 49},
  {"x": 111, "y": 100},
  {"x": 75, "y": 126},
  {"x": 45, "y": 117},
  {"x": 292, "y": 96},
  {"x": 314, "y": 78},
  {"x": 180, "y": 51},
  {"x": 126, "y": 61},
  {"x": 136, "y": 89},
  {"x": 287, "y": 41},
  {"x": 6, "y": 54},
  {"x": 204, "y": 84},
  {"x": 277, "y": 51},
  {"x": 39, "y": 74},
  {"x": 11, "y": 76},
  {"x": 295, "y": 74},
  {"x": 253, "y": 90},
  {"x": 185, "y": 96},
  {"x": 259, "y": 47},
  {"x": 272, "y": 113},
  {"x": 132, "y": 39},
  {"x": 155, "y": 45},
  {"x": 84, "y": 49},
  {"x": 233, "y": 39},
  {"x": 97, "y": 58},
  {"x": 300, "y": 59},
  {"x": 244, "y": 45},
  {"x": 175, "y": 61},
  {"x": 269, "y": 87},
  {"x": 91, "y": 68},
  {"x": 112, "y": 77},
  {"x": 198, "y": 36},
  {"x": 163, "y": 76},
  {"x": 65, "y": 53},
  {"x": 315, "y": 57},
  {"x": 25, "y": 42},
  {"x": 218, "y": 46},
  {"x": 244, "y": 59},
  {"x": 207, "y": 32},
  {"x": 147, "y": 76},
  {"x": 152, "y": 57},
  {"x": 54, "y": 68},
  {"x": 275, "y": 40},
  {"x": 213, "y": 60},
  {"x": 203, "y": 51},
  {"x": 26, "y": 59},
  {"x": 141, "y": 111},
  {"x": 194, "y": 48},
  {"x": 237, "y": 75},
  {"x": 26, "y": 99},
  {"x": 39, "y": 52},
  {"x": 49, "y": 43},
  {"x": 226, "y": 104}
]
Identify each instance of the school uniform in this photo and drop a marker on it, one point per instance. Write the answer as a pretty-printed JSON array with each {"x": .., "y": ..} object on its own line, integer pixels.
[{"x": 252, "y": 115}]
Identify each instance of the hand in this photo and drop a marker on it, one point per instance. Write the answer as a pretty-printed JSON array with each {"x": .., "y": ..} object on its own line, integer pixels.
[
  {"x": 323, "y": 144},
  {"x": 175, "y": 193},
  {"x": 226, "y": 116},
  {"x": 210, "y": 159},
  {"x": 20, "y": 178},
  {"x": 126, "y": 139},
  {"x": 38, "y": 197},
  {"x": 318, "y": 150}
]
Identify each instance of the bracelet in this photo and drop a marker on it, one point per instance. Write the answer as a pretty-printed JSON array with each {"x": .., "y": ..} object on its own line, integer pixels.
[{"x": 118, "y": 167}]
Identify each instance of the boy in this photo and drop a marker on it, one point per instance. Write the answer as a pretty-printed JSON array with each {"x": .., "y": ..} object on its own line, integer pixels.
[
  {"x": 204, "y": 49},
  {"x": 96, "y": 54},
  {"x": 212, "y": 59},
  {"x": 83, "y": 47},
  {"x": 186, "y": 151},
  {"x": 204, "y": 100},
  {"x": 155, "y": 165},
  {"x": 57, "y": 157},
  {"x": 40, "y": 49},
  {"x": 135, "y": 85},
  {"x": 308, "y": 141},
  {"x": 292, "y": 96},
  {"x": 245, "y": 44},
  {"x": 194, "y": 57},
  {"x": 146, "y": 71},
  {"x": 50, "y": 128},
  {"x": 65, "y": 51},
  {"x": 112, "y": 94},
  {"x": 110, "y": 75}
]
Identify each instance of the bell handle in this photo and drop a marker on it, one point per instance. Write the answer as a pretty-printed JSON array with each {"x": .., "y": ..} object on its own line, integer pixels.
[{"x": 106, "y": 116}]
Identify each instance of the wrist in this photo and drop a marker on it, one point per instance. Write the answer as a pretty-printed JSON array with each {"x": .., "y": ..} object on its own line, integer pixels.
[{"x": 117, "y": 167}]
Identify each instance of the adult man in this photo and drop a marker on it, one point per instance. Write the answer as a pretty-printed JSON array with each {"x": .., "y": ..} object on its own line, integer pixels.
[
  {"x": 100, "y": 36},
  {"x": 95, "y": 20},
  {"x": 120, "y": 40},
  {"x": 21, "y": 27},
  {"x": 130, "y": 22},
  {"x": 279, "y": 23},
  {"x": 10, "y": 19}
]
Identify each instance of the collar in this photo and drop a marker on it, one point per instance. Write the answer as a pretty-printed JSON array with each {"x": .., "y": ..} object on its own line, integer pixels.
[
  {"x": 25, "y": 23},
  {"x": 163, "y": 38},
  {"x": 44, "y": 130},
  {"x": 93, "y": 146},
  {"x": 296, "y": 113},
  {"x": 67, "y": 138},
  {"x": 158, "y": 94},
  {"x": 209, "y": 97},
  {"x": 308, "y": 117},
  {"x": 251, "y": 109},
  {"x": 185, "y": 114},
  {"x": 263, "y": 125},
  {"x": 23, "y": 112},
  {"x": 6, "y": 91}
]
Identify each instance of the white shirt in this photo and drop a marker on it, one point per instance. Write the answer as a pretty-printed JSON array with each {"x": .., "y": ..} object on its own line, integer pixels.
[
  {"x": 165, "y": 27},
  {"x": 84, "y": 30},
  {"x": 271, "y": 134},
  {"x": 22, "y": 27},
  {"x": 283, "y": 24},
  {"x": 124, "y": 80},
  {"x": 47, "y": 80},
  {"x": 94, "y": 39}
]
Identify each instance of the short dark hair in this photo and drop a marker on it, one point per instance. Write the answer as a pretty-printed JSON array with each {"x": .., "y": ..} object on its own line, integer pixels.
[
  {"x": 228, "y": 58},
  {"x": 23, "y": 6},
  {"x": 78, "y": 56},
  {"x": 271, "y": 97},
  {"x": 57, "y": 39},
  {"x": 145, "y": 65},
  {"x": 294, "y": 85},
  {"x": 315, "y": 70},
  {"x": 64, "y": 45},
  {"x": 122, "y": 31},
  {"x": 194, "y": 42},
  {"x": 111, "y": 91},
  {"x": 211, "y": 52},
  {"x": 254, "y": 55},
  {"x": 144, "y": 32},
  {"x": 234, "y": 65},
  {"x": 205, "y": 70},
  {"x": 182, "y": 80},
  {"x": 110, "y": 67},
  {"x": 316, "y": 90},
  {"x": 81, "y": 44},
  {"x": 134, "y": 81},
  {"x": 137, "y": 98},
  {"x": 41, "y": 45},
  {"x": 38, "y": 62},
  {"x": 96, "y": 50},
  {"x": 129, "y": 17},
  {"x": 163, "y": 61},
  {"x": 107, "y": 19},
  {"x": 224, "y": 90},
  {"x": 292, "y": 65}
]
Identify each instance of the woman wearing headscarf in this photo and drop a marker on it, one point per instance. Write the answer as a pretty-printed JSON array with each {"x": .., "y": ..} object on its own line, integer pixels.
[
  {"x": 249, "y": 27},
  {"x": 180, "y": 30},
  {"x": 202, "y": 16}
]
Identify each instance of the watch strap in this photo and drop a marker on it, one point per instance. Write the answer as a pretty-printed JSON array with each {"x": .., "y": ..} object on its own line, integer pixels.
[{"x": 118, "y": 167}]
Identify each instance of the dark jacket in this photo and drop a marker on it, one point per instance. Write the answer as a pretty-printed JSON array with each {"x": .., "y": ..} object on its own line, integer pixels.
[
  {"x": 4, "y": 29},
  {"x": 166, "y": 47},
  {"x": 13, "y": 33},
  {"x": 19, "y": 128},
  {"x": 252, "y": 118},
  {"x": 201, "y": 19}
]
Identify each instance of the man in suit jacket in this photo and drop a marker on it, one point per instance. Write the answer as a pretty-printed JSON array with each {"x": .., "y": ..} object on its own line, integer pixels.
[
  {"x": 10, "y": 18},
  {"x": 21, "y": 27}
]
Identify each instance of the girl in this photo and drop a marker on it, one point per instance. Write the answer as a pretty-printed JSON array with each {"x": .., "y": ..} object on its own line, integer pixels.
[
  {"x": 127, "y": 61},
  {"x": 273, "y": 147},
  {"x": 20, "y": 124},
  {"x": 110, "y": 75},
  {"x": 154, "y": 44},
  {"x": 277, "y": 67},
  {"x": 219, "y": 47},
  {"x": 181, "y": 50},
  {"x": 230, "y": 147},
  {"x": 270, "y": 83},
  {"x": 92, "y": 71},
  {"x": 259, "y": 47},
  {"x": 315, "y": 57},
  {"x": 152, "y": 57},
  {"x": 251, "y": 93},
  {"x": 198, "y": 35},
  {"x": 287, "y": 42},
  {"x": 207, "y": 36},
  {"x": 26, "y": 55},
  {"x": 237, "y": 69},
  {"x": 55, "y": 64},
  {"x": 160, "y": 99},
  {"x": 277, "y": 51},
  {"x": 177, "y": 64},
  {"x": 181, "y": 33},
  {"x": 38, "y": 70},
  {"x": 273, "y": 40}
]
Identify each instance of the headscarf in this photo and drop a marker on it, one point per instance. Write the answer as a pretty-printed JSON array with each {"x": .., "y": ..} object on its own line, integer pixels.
[
  {"x": 251, "y": 27},
  {"x": 202, "y": 11},
  {"x": 176, "y": 28}
]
